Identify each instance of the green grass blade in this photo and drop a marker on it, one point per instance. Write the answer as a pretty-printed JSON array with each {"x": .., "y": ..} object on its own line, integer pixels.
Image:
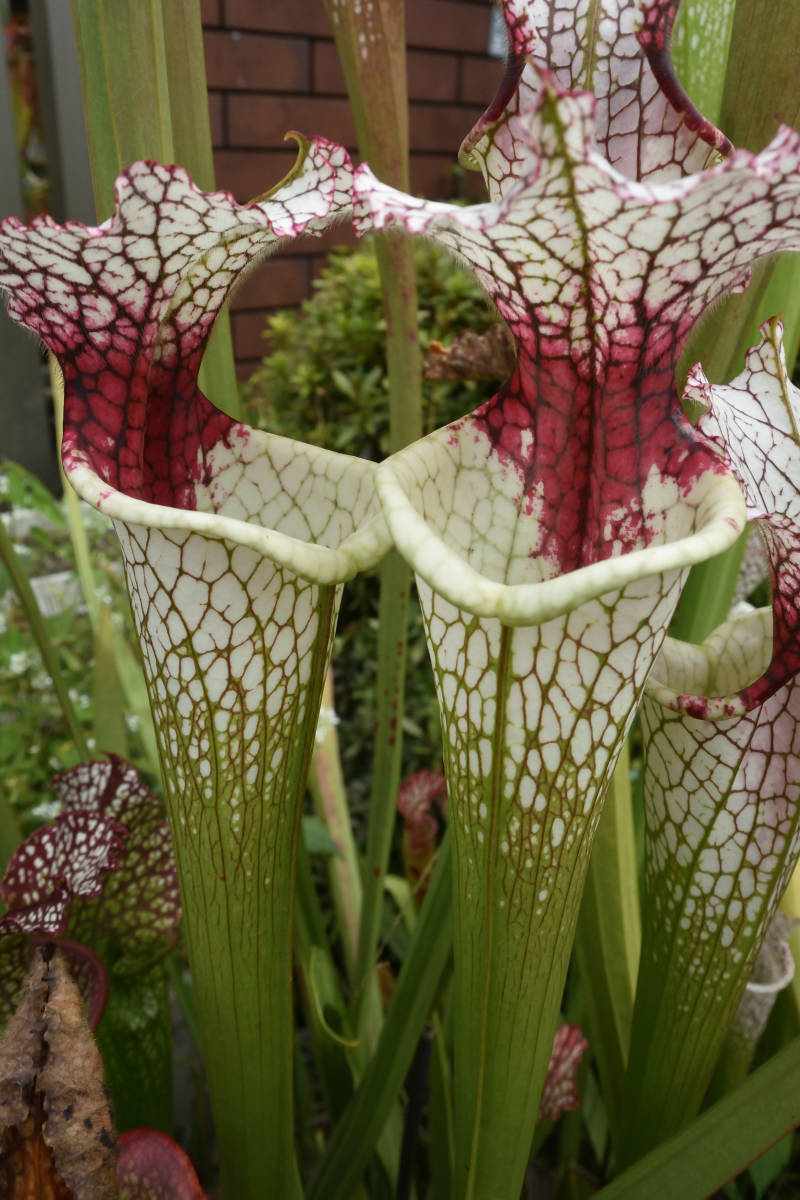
[
  {"x": 608, "y": 940},
  {"x": 723, "y": 1141},
  {"x": 356, "y": 1135},
  {"x": 326, "y": 785},
  {"x": 370, "y": 41},
  {"x": 19, "y": 580},
  {"x": 10, "y": 835},
  {"x": 700, "y": 42},
  {"x": 322, "y": 999},
  {"x": 110, "y": 735},
  {"x": 122, "y": 56}
]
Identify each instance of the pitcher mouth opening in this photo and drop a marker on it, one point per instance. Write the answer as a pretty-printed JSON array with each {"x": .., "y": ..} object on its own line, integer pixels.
[
  {"x": 705, "y": 681},
  {"x": 435, "y": 543}
]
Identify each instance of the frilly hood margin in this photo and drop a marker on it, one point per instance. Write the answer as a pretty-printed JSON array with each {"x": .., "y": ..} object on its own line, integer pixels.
[
  {"x": 127, "y": 309},
  {"x": 236, "y": 544}
]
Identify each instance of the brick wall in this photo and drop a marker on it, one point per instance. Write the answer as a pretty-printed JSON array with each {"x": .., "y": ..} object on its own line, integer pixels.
[{"x": 272, "y": 66}]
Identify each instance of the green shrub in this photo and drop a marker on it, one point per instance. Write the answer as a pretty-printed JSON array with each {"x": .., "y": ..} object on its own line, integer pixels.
[
  {"x": 325, "y": 378},
  {"x": 325, "y": 382}
]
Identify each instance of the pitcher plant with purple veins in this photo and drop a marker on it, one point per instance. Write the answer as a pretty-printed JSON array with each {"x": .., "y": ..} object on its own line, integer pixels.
[
  {"x": 235, "y": 546},
  {"x": 550, "y": 531}
]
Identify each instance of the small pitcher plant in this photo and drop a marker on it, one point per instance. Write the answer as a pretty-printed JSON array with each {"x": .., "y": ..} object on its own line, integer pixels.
[{"x": 550, "y": 533}]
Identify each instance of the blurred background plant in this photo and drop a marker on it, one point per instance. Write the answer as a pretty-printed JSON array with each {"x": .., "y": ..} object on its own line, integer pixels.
[{"x": 35, "y": 740}]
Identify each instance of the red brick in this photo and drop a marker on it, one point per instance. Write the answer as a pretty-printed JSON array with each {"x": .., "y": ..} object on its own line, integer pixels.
[
  {"x": 448, "y": 25},
  {"x": 441, "y": 177},
  {"x": 275, "y": 282},
  {"x": 215, "y": 112},
  {"x": 431, "y": 76},
  {"x": 255, "y": 62},
  {"x": 435, "y": 24},
  {"x": 432, "y": 175},
  {"x": 326, "y": 74},
  {"x": 250, "y": 175},
  {"x": 245, "y": 368},
  {"x": 440, "y": 127},
  {"x": 264, "y": 120},
  {"x": 307, "y": 17},
  {"x": 210, "y": 12},
  {"x": 317, "y": 265},
  {"x": 248, "y": 330},
  {"x": 337, "y": 235},
  {"x": 480, "y": 79}
]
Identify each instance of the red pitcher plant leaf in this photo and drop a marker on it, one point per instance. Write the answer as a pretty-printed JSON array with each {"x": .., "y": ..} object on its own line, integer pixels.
[
  {"x": 67, "y": 858},
  {"x": 100, "y": 880},
  {"x": 415, "y": 803},
  {"x": 140, "y": 909},
  {"x": 236, "y": 544},
  {"x": 560, "y": 1093},
  {"x": 722, "y": 788},
  {"x": 153, "y": 1167},
  {"x": 58, "y": 864}
]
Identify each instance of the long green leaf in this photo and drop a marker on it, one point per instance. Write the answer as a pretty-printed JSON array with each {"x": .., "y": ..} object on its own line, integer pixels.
[
  {"x": 356, "y": 1135},
  {"x": 370, "y": 40},
  {"x": 126, "y": 93},
  {"x": 110, "y": 735},
  {"x": 326, "y": 785},
  {"x": 700, "y": 42},
  {"x": 608, "y": 940},
  {"x": 185, "y": 62},
  {"x": 320, "y": 992},
  {"x": 721, "y": 1142},
  {"x": 19, "y": 580}
]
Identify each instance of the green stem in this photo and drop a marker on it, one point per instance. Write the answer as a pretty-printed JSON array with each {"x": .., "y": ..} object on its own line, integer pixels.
[
  {"x": 325, "y": 1009},
  {"x": 357, "y": 1133},
  {"x": 370, "y": 40},
  {"x": 185, "y": 996},
  {"x": 608, "y": 940},
  {"x": 326, "y": 786},
  {"x": 398, "y": 280},
  {"x": 24, "y": 591},
  {"x": 392, "y": 622}
]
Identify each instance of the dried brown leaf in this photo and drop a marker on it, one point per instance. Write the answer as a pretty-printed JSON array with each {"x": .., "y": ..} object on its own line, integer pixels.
[
  {"x": 56, "y": 1133},
  {"x": 487, "y": 355}
]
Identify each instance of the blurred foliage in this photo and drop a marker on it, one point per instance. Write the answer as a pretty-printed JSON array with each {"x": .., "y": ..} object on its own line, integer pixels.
[
  {"x": 324, "y": 382},
  {"x": 34, "y": 738}
]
